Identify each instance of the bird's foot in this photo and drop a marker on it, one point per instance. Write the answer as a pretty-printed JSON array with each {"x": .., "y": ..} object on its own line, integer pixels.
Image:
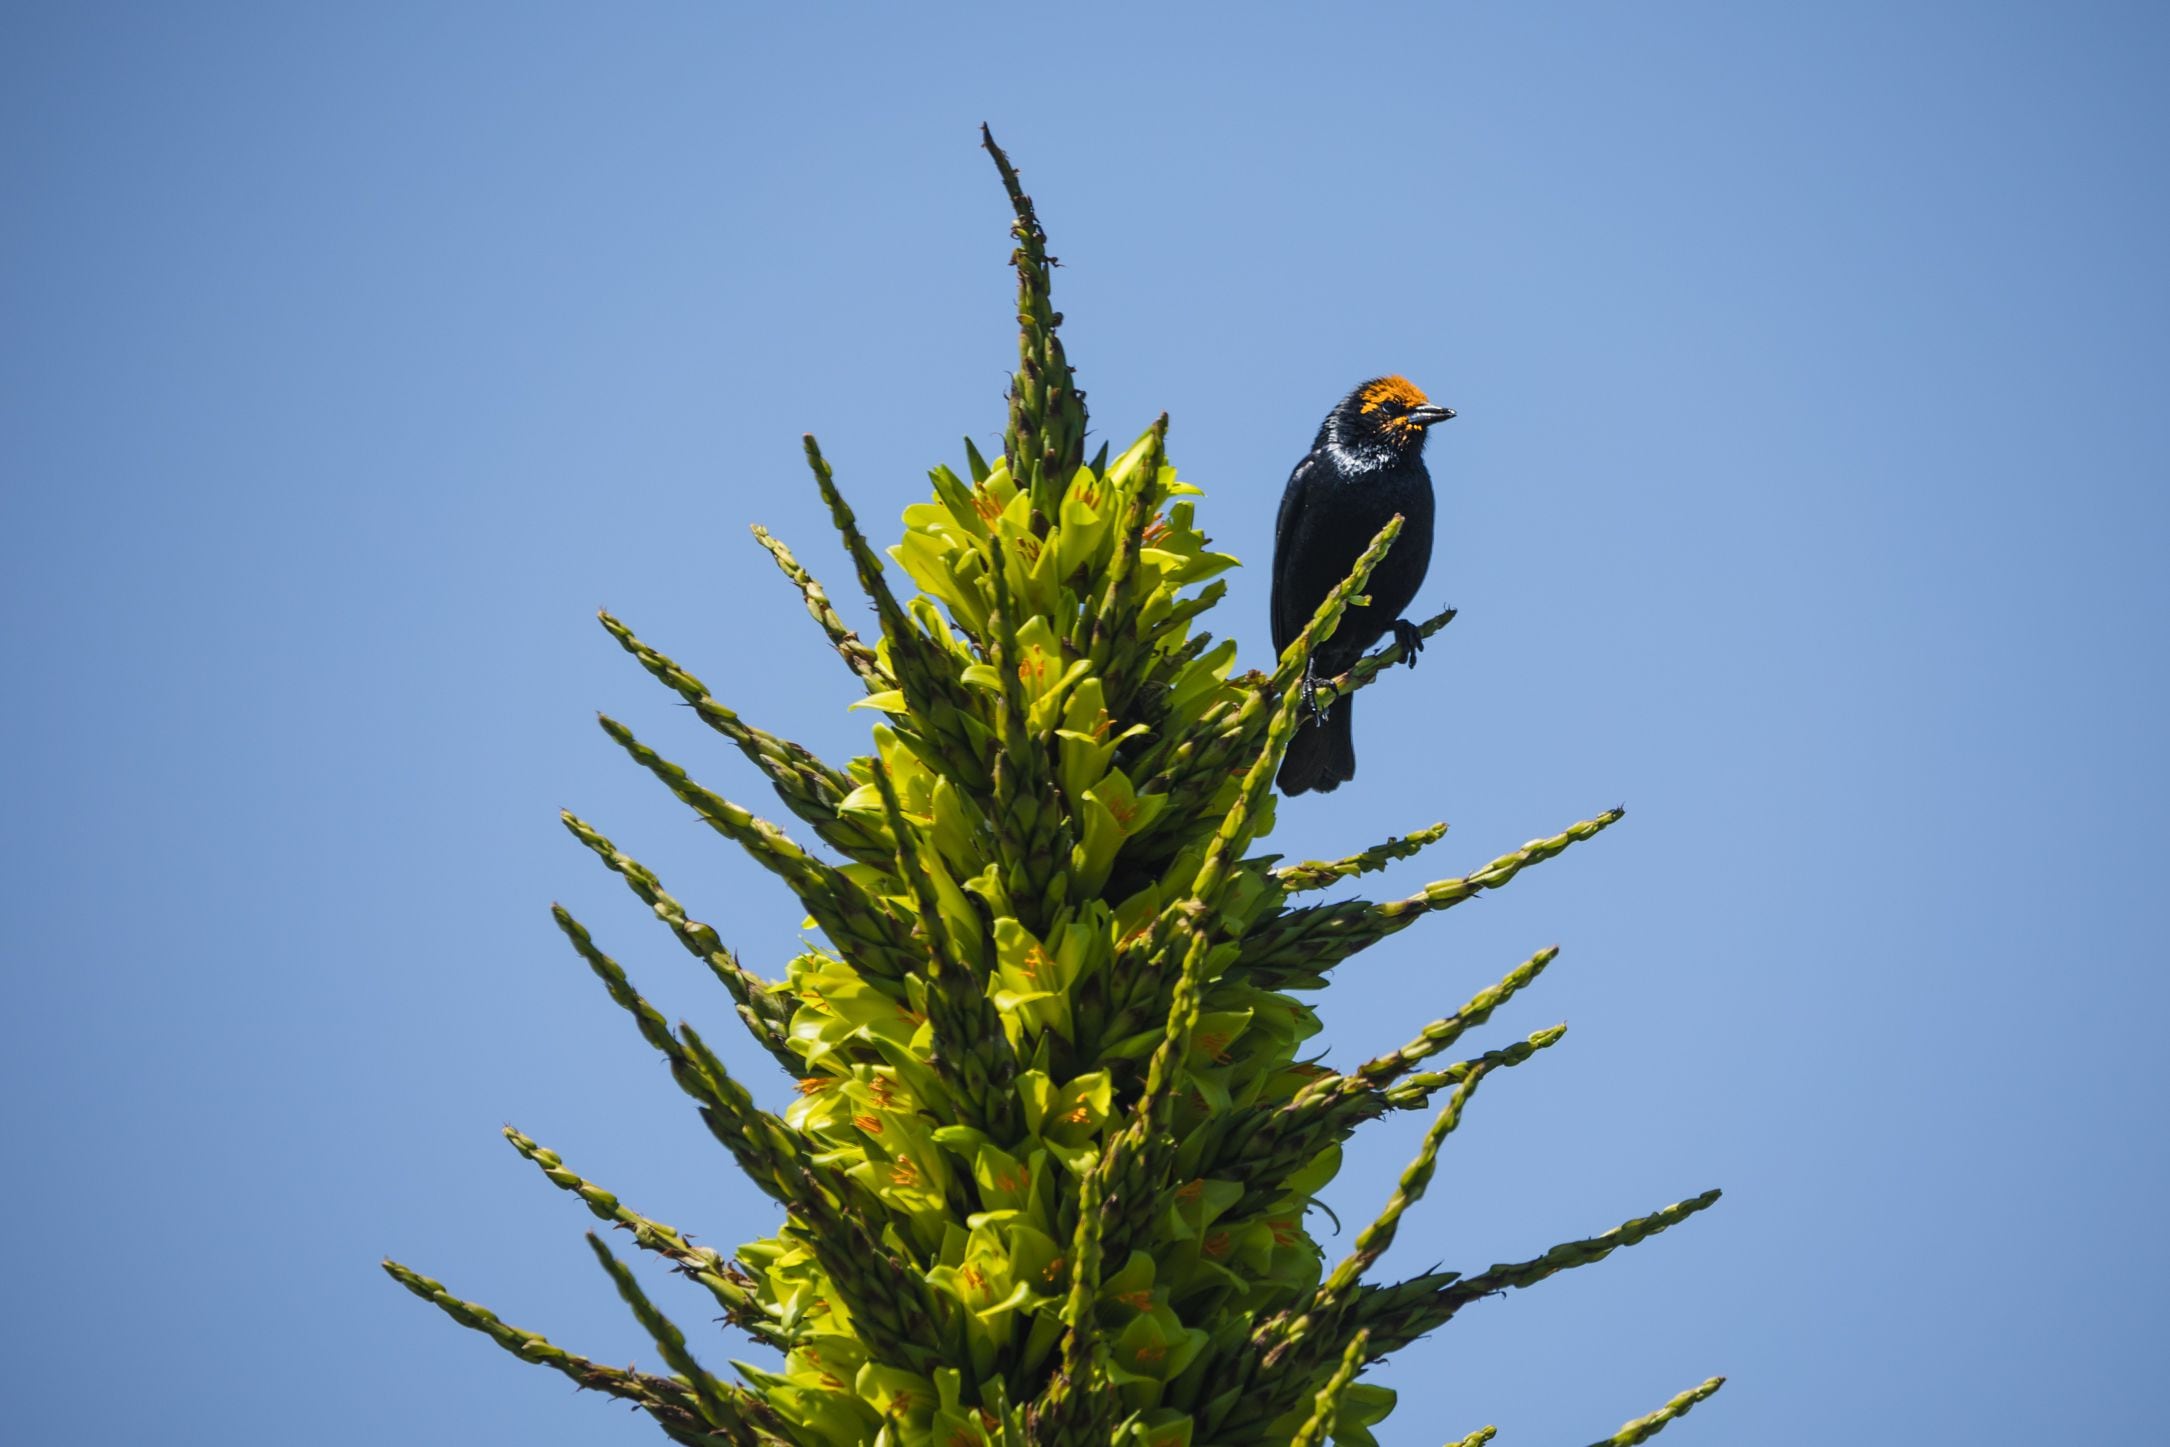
[
  {"x": 1411, "y": 641},
  {"x": 1311, "y": 693}
]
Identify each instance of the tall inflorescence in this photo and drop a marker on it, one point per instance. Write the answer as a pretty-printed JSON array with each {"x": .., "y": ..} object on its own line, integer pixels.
[{"x": 1046, "y": 1177}]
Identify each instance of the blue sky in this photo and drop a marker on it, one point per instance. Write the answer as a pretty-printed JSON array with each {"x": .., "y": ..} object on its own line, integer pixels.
[{"x": 1808, "y": 495}]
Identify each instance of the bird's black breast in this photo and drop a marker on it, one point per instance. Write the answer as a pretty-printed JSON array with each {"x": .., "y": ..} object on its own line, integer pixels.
[{"x": 1335, "y": 503}]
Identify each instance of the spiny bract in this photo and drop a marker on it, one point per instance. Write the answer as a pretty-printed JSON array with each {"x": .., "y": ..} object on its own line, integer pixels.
[{"x": 1046, "y": 1178}]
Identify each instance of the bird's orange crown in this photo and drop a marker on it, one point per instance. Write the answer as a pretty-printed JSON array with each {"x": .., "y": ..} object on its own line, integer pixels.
[{"x": 1392, "y": 389}]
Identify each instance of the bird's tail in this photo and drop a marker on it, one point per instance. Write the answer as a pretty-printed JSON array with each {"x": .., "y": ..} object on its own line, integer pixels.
[{"x": 1321, "y": 753}]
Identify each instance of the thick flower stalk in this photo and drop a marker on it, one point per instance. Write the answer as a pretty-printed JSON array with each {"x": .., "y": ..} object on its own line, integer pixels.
[{"x": 1046, "y": 1178}]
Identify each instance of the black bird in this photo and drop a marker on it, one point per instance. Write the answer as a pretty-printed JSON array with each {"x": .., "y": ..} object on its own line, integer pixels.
[{"x": 1366, "y": 465}]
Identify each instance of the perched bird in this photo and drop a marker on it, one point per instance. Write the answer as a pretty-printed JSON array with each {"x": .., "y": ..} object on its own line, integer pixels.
[{"x": 1366, "y": 465}]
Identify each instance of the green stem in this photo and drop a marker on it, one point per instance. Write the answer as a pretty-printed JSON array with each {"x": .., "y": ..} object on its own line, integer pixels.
[
  {"x": 1396, "y": 1322},
  {"x": 1371, "y": 665},
  {"x": 1318, "y": 874},
  {"x": 766, "y": 1010},
  {"x": 669, "y": 1402},
  {"x": 1642, "y": 1429},
  {"x": 1301, "y": 945},
  {"x": 1441, "y": 1035},
  {"x": 714, "y": 1398},
  {"x": 1326, "y": 1407},
  {"x": 862, "y": 929},
  {"x": 861, "y": 659},
  {"x": 809, "y": 788},
  {"x": 704, "y": 1264},
  {"x": 1045, "y": 441}
]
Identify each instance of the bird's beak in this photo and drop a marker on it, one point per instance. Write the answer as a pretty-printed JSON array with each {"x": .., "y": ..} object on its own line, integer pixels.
[{"x": 1427, "y": 415}]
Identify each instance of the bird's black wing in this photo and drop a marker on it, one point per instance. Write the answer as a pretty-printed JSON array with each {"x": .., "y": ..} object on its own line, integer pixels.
[{"x": 1287, "y": 529}]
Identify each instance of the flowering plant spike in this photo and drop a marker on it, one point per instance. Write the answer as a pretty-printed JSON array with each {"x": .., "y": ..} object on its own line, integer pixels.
[{"x": 1045, "y": 1181}]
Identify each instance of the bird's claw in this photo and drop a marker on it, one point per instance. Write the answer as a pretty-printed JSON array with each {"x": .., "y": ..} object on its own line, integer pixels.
[
  {"x": 1311, "y": 694},
  {"x": 1410, "y": 639}
]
